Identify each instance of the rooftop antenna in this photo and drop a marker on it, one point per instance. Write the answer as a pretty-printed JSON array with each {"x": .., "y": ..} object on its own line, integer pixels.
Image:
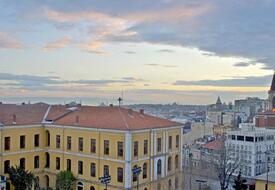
[{"x": 119, "y": 101}]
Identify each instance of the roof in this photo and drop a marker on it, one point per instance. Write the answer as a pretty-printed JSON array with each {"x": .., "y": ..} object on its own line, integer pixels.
[
  {"x": 24, "y": 114},
  {"x": 219, "y": 101},
  {"x": 117, "y": 118},
  {"x": 272, "y": 87},
  {"x": 214, "y": 145},
  {"x": 271, "y": 176}
]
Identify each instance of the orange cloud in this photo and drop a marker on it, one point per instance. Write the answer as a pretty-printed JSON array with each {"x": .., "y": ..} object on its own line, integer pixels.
[
  {"x": 94, "y": 47},
  {"x": 57, "y": 44},
  {"x": 172, "y": 14},
  {"x": 6, "y": 42}
]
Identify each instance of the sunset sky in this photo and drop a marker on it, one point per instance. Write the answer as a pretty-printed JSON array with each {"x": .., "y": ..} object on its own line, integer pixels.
[{"x": 154, "y": 51}]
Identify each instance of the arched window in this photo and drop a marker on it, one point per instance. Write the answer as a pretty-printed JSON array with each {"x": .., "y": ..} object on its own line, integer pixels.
[
  {"x": 169, "y": 184},
  {"x": 48, "y": 138},
  {"x": 80, "y": 186},
  {"x": 145, "y": 188},
  {"x": 47, "y": 181},
  {"x": 92, "y": 188},
  {"x": 47, "y": 165},
  {"x": 159, "y": 167},
  {"x": 144, "y": 170},
  {"x": 177, "y": 161},
  {"x": 169, "y": 163}
]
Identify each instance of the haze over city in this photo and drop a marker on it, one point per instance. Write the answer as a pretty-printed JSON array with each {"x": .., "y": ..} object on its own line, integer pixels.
[{"x": 162, "y": 51}]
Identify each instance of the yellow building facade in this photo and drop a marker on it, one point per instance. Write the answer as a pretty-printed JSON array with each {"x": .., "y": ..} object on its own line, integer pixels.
[{"x": 91, "y": 142}]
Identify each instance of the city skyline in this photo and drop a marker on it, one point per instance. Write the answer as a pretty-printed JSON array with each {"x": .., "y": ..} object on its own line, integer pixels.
[{"x": 166, "y": 51}]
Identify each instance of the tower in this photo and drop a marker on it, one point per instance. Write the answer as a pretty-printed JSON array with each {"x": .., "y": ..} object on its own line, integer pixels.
[{"x": 271, "y": 94}]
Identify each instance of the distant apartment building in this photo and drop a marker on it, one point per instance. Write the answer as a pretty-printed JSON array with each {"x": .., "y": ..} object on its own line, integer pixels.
[
  {"x": 249, "y": 146},
  {"x": 251, "y": 106},
  {"x": 91, "y": 142}
]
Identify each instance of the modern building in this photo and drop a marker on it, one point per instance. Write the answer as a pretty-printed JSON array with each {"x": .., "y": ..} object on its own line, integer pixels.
[
  {"x": 249, "y": 145},
  {"x": 91, "y": 142}
]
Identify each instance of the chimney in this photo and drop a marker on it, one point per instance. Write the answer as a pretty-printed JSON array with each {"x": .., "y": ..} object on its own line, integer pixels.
[
  {"x": 141, "y": 111},
  {"x": 14, "y": 119},
  {"x": 130, "y": 111},
  {"x": 77, "y": 119}
]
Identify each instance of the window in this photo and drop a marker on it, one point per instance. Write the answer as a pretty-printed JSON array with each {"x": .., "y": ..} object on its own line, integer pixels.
[
  {"x": 47, "y": 160},
  {"x": 106, "y": 170},
  {"x": 240, "y": 138},
  {"x": 176, "y": 161},
  {"x": 120, "y": 175},
  {"x": 93, "y": 170},
  {"x": 93, "y": 146},
  {"x": 69, "y": 165},
  {"x": 7, "y": 143},
  {"x": 57, "y": 141},
  {"x": 92, "y": 188},
  {"x": 177, "y": 141},
  {"x": 159, "y": 167},
  {"x": 57, "y": 163},
  {"x": 36, "y": 162},
  {"x": 120, "y": 148},
  {"x": 249, "y": 139},
  {"x": 170, "y": 142},
  {"x": 6, "y": 166},
  {"x": 80, "y": 167},
  {"x": 169, "y": 163},
  {"x": 48, "y": 138},
  {"x": 36, "y": 140},
  {"x": 80, "y": 144},
  {"x": 169, "y": 184},
  {"x": 144, "y": 171},
  {"x": 145, "y": 148},
  {"x": 106, "y": 147},
  {"x": 22, "y": 162},
  {"x": 159, "y": 144},
  {"x": 69, "y": 142},
  {"x": 136, "y": 148},
  {"x": 22, "y": 141}
]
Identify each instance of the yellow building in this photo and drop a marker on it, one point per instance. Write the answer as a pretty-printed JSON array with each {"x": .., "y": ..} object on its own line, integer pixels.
[
  {"x": 261, "y": 181},
  {"x": 91, "y": 141}
]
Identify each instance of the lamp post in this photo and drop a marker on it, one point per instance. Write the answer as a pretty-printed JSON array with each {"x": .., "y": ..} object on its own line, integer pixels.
[
  {"x": 136, "y": 171},
  {"x": 106, "y": 179}
]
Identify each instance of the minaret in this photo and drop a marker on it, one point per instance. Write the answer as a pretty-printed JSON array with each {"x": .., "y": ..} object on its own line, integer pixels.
[
  {"x": 219, "y": 104},
  {"x": 271, "y": 94}
]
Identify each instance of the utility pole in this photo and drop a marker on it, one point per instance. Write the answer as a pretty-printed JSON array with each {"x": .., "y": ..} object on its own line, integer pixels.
[{"x": 190, "y": 173}]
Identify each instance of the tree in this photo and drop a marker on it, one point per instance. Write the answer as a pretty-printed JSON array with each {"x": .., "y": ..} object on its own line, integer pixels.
[
  {"x": 239, "y": 182},
  {"x": 64, "y": 180},
  {"x": 20, "y": 178},
  {"x": 225, "y": 164}
]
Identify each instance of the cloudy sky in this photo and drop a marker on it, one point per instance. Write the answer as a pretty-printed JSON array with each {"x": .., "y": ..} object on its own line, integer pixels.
[{"x": 154, "y": 51}]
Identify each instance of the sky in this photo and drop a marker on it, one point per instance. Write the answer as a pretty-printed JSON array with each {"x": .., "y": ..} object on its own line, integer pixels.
[{"x": 148, "y": 51}]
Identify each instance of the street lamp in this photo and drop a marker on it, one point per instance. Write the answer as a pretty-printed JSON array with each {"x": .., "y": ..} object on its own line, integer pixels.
[
  {"x": 106, "y": 179},
  {"x": 136, "y": 171}
]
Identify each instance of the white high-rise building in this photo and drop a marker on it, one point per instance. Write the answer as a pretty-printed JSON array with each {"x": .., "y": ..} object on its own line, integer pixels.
[{"x": 249, "y": 145}]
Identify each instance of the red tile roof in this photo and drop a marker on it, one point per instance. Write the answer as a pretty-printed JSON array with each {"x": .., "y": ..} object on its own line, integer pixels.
[
  {"x": 214, "y": 145},
  {"x": 83, "y": 116},
  {"x": 27, "y": 114},
  {"x": 108, "y": 118}
]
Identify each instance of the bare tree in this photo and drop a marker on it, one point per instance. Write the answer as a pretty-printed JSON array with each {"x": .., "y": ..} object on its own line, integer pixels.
[{"x": 225, "y": 164}]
